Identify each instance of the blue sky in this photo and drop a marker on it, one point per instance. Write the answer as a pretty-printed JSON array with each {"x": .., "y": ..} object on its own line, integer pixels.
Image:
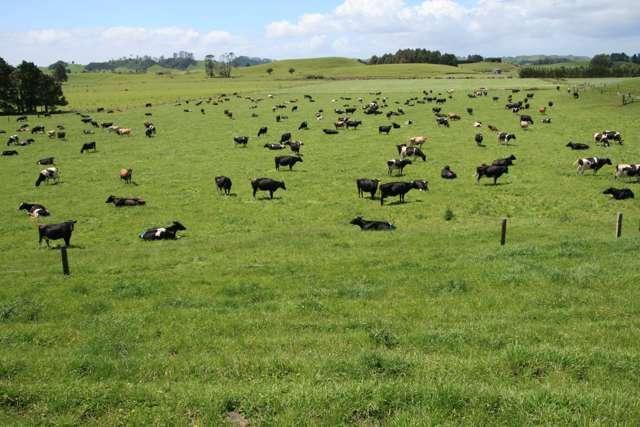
[{"x": 88, "y": 30}]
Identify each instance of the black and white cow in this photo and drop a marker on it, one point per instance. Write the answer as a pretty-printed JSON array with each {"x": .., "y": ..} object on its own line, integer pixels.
[
  {"x": 390, "y": 189},
  {"x": 46, "y": 161},
  {"x": 275, "y": 146},
  {"x": 619, "y": 193},
  {"x": 366, "y": 185},
  {"x": 163, "y": 233},
  {"x": 593, "y": 163},
  {"x": 241, "y": 140},
  {"x": 491, "y": 171},
  {"x": 405, "y": 151},
  {"x": 366, "y": 225},
  {"x": 34, "y": 209},
  {"x": 601, "y": 139},
  {"x": 505, "y": 137},
  {"x": 613, "y": 135},
  {"x": 56, "y": 231},
  {"x": 49, "y": 174},
  {"x": 627, "y": 169},
  {"x": 223, "y": 183},
  {"x": 287, "y": 161},
  {"x": 399, "y": 165},
  {"x": 266, "y": 184},
  {"x": 88, "y": 146},
  {"x": 442, "y": 121}
]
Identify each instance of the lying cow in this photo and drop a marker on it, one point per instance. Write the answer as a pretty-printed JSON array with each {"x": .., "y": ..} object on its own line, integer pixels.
[
  {"x": 447, "y": 173},
  {"x": 275, "y": 146},
  {"x": 125, "y": 201},
  {"x": 619, "y": 193},
  {"x": 366, "y": 185},
  {"x": 366, "y": 225},
  {"x": 223, "y": 183},
  {"x": 577, "y": 146},
  {"x": 163, "y": 233},
  {"x": 46, "y": 161},
  {"x": 399, "y": 165},
  {"x": 34, "y": 209},
  {"x": 266, "y": 184},
  {"x": 593, "y": 163},
  {"x": 632, "y": 169},
  {"x": 330, "y": 131},
  {"x": 56, "y": 231},
  {"x": 49, "y": 174},
  {"x": 9, "y": 153},
  {"x": 88, "y": 146},
  {"x": 391, "y": 189},
  {"x": 491, "y": 171}
]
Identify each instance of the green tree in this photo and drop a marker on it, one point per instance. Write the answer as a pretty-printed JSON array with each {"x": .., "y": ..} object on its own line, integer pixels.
[
  {"x": 60, "y": 72},
  {"x": 292, "y": 70},
  {"x": 269, "y": 70},
  {"x": 209, "y": 66},
  {"x": 601, "y": 61},
  {"x": 7, "y": 88}
]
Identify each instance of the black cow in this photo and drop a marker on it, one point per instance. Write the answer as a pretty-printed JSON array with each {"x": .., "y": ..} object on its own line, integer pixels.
[
  {"x": 275, "y": 146},
  {"x": 405, "y": 151},
  {"x": 330, "y": 131},
  {"x": 55, "y": 232},
  {"x": 447, "y": 173},
  {"x": 223, "y": 183},
  {"x": 526, "y": 118},
  {"x": 546, "y": 120},
  {"x": 106, "y": 125},
  {"x": 508, "y": 161},
  {"x": 21, "y": 119},
  {"x": 366, "y": 225},
  {"x": 285, "y": 137},
  {"x": 366, "y": 185},
  {"x": 125, "y": 201},
  {"x": 294, "y": 145},
  {"x": 88, "y": 146},
  {"x": 287, "y": 161},
  {"x": 263, "y": 131},
  {"x": 150, "y": 130},
  {"x": 34, "y": 209},
  {"x": 577, "y": 146},
  {"x": 384, "y": 129},
  {"x": 492, "y": 171},
  {"x": 353, "y": 124},
  {"x": 304, "y": 125},
  {"x": 164, "y": 233},
  {"x": 442, "y": 121},
  {"x": 61, "y": 135},
  {"x": 619, "y": 193},
  {"x": 46, "y": 161},
  {"x": 10, "y": 153},
  {"x": 478, "y": 138},
  {"x": 397, "y": 164},
  {"x": 241, "y": 140},
  {"x": 391, "y": 189},
  {"x": 593, "y": 163},
  {"x": 37, "y": 129},
  {"x": 266, "y": 184}
]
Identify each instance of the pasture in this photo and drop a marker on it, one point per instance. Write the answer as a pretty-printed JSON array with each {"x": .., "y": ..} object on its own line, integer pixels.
[{"x": 279, "y": 312}]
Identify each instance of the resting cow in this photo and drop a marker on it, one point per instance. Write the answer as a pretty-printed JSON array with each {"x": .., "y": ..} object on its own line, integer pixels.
[
  {"x": 619, "y": 193},
  {"x": 88, "y": 146},
  {"x": 447, "y": 173},
  {"x": 577, "y": 146},
  {"x": 34, "y": 209},
  {"x": 366, "y": 225},
  {"x": 275, "y": 146},
  {"x": 125, "y": 201},
  {"x": 46, "y": 161},
  {"x": 163, "y": 233}
]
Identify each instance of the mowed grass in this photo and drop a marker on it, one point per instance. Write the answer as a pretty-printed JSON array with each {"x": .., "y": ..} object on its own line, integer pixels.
[{"x": 281, "y": 311}]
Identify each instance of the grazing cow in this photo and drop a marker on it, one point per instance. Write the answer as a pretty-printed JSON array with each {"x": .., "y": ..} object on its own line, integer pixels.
[
  {"x": 275, "y": 146},
  {"x": 125, "y": 201},
  {"x": 601, "y": 139},
  {"x": 106, "y": 125},
  {"x": 405, "y": 151},
  {"x": 593, "y": 163},
  {"x": 627, "y": 169},
  {"x": 126, "y": 175},
  {"x": 223, "y": 183},
  {"x": 550, "y": 103},
  {"x": 294, "y": 145},
  {"x": 442, "y": 121},
  {"x": 124, "y": 131},
  {"x": 34, "y": 209},
  {"x": 542, "y": 110},
  {"x": 577, "y": 146},
  {"x": 353, "y": 124},
  {"x": 478, "y": 138},
  {"x": 526, "y": 118},
  {"x": 10, "y": 153},
  {"x": 470, "y": 111},
  {"x": 436, "y": 109},
  {"x": 492, "y": 128},
  {"x": 330, "y": 131},
  {"x": 384, "y": 129},
  {"x": 163, "y": 233},
  {"x": 453, "y": 116},
  {"x": 391, "y": 189},
  {"x": 366, "y": 185},
  {"x": 241, "y": 140},
  {"x": 37, "y": 129},
  {"x": 287, "y": 161},
  {"x": 366, "y": 225},
  {"x": 263, "y": 131},
  {"x": 492, "y": 171},
  {"x": 505, "y": 137},
  {"x": 266, "y": 184},
  {"x": 13, "y": 139},
  {"x": 46, "y": 161},
  {"x": 49, "y": 174},
  {"x": 477, "y": 124},
  {"x": 88, "y": 146},
  {"x": 55, "y": 232},
  {"x": 619, "y": 193},
  {"x": 613, "y": 136},
  {"x": 397, "y": 164},
  {"x": 417, "y": 140},
  {"x": 547, "y": 120},
  {"x": 51, "y": 134},
  {"x": 285, "y": 137},
  {"x": 447, "y": 173},
  {"x": 21, "y": 119},
  {"x": 149, "y": 130},
  {"x": 304, "y": 125},
  {"x": 508, "y": 161},
  {"x": 395, "y": 126}
]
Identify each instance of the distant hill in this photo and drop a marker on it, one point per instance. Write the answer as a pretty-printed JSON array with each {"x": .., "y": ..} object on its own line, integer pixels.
[
  {"x": 544, "y": 59},
  {"x": 245, "y": 61}
]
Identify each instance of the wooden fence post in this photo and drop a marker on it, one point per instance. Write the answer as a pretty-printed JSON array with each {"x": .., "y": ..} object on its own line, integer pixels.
[
  {"x": 619, "y": 225},
  {"x": 65, "y": 261},
  {"x": 503, "y": 233}
]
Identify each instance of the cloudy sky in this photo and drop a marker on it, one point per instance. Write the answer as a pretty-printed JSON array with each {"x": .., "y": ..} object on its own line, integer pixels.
[{"x": 87, "y": 30}]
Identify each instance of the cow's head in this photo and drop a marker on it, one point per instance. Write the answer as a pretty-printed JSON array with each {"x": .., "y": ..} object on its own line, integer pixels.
[{"x": 41, "y": 177}]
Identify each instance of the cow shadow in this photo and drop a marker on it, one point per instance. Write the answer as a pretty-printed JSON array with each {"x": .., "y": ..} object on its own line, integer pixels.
[
  {"x": 59, "y": 247},
  {"x": 406, "y": 202},
  {"x": 497, "y": 184}
]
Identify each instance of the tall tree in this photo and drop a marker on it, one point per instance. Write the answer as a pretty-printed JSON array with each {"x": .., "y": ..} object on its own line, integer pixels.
[
  {"x": 60, "y": 72},
  {"x": 209, "y": 65},
  {"x": 7, "y": 88},
  {"x": 225, "y": 64}
]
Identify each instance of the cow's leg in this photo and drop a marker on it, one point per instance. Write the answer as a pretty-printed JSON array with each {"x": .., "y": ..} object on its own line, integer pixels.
[
  {"x": 271, "y": 194},
  {"x": 67, "y": 240},
  {"x": 254, "y": 192}
]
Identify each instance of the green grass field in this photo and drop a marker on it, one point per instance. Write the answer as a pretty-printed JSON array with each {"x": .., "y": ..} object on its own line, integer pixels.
[{"x": 281, "y": 313}]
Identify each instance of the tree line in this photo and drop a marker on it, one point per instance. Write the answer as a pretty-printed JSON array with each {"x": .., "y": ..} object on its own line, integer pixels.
[
  {"x": 603, "y": 65},
  {"x": 423, "y": 56},
  {"x": 25, "y": 88},
  {"x": 140, "y": 64}
]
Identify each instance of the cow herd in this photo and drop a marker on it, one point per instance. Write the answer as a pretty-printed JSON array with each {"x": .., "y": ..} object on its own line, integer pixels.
[{"x": 408, "y": 153}]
